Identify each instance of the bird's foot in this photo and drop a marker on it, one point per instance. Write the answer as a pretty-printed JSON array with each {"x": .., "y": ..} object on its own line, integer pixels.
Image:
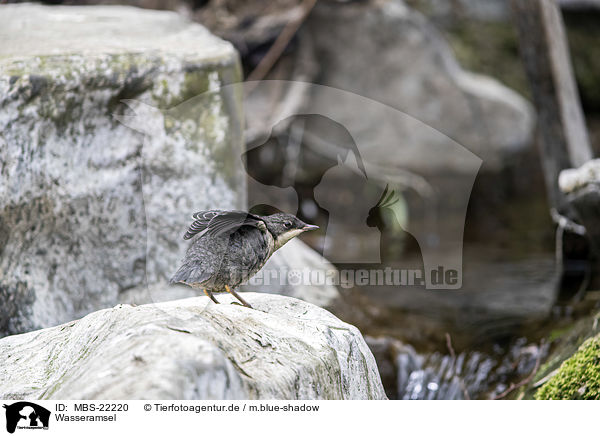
[
  {"x": 210, "y": 295},
  {"x": 235, "y": 294}
]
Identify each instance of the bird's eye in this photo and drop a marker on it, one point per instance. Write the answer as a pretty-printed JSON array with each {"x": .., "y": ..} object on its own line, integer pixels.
[{"x": 287, "y": 224}]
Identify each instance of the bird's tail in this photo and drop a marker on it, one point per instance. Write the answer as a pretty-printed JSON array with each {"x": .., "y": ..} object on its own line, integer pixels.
[{"x": 189, "y": 274}]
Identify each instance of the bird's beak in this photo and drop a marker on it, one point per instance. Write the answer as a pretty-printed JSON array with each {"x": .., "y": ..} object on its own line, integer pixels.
[{"x": 308, "y": 227}]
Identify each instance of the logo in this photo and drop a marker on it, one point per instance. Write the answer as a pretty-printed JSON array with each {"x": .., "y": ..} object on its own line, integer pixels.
[{"x": 26, "y": 415}]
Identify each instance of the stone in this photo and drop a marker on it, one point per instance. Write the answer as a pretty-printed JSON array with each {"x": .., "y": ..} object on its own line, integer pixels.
[
  {"x": 88, "y": 206},
  {"x": 478, "y": 112},
  {"x": 484, "y": 10},
  {"x": 582, "y": 188},
  {"x": 573, "y": 179},
  {"x": 387, "y": 351},
  {"x": 190, "y": 349},
  {"x": 488, "y": 10}
]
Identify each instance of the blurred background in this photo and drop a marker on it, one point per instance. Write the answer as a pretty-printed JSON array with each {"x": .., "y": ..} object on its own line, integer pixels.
[{"x": 479, "y": 74}]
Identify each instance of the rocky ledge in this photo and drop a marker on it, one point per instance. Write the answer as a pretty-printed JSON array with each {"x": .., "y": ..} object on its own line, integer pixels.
[{"x": 283, "y": 348}]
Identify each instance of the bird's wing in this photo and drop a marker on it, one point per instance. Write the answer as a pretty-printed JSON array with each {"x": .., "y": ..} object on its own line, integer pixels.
[
  {"x": 230, "y": 221},
  {"x": 206, "y": 215},
  {"x": 218, "y": 222},
  {"x": 201, "y": 220}
]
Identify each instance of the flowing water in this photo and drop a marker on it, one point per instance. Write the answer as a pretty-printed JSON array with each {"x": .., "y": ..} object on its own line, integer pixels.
[
  {"x": 468, "y": 375},
  {"x": 474, "y": 374}
]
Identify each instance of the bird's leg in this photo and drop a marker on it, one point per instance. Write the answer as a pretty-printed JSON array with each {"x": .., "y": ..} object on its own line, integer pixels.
[
  {"x": 235, "y": 294},
  {"x": 210, "y": 295}
]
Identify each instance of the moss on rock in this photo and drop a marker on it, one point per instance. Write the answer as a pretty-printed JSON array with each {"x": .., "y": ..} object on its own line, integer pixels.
[{"x": 578, "y": 378}]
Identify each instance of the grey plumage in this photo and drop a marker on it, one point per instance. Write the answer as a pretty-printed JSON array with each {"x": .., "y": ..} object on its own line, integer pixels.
[{"x": 229, "y": 247}]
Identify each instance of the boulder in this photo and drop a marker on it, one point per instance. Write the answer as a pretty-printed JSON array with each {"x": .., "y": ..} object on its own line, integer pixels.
[
  {"x": 89, "y": 207},
  {"x": 284, "y": 348},
  {"x": 406, "y": 63},
  {"x": 489, "y": 10}
]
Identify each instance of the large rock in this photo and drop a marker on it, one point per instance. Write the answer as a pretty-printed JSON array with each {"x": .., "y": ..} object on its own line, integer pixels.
[
  {"x": 193, "y": 349},
  {"x": 89, "y": 207},
  {"x": 405, "y": 63},
  {"x": 484, "y": 10},
  {"x": 488, "y": 10}
]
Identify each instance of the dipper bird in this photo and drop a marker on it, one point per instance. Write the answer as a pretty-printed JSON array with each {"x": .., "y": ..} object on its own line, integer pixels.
[{"x": 229, "y": 247}]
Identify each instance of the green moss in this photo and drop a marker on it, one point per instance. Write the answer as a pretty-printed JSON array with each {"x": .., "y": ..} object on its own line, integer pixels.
[
  {"x": 195, "y": 83},
  {"x": 578, "y": 377},
  {"x": 204, "y": 117}
]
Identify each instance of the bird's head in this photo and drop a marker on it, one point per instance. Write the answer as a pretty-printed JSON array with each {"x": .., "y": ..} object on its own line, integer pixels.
[{"x": 284, "y": 227}]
